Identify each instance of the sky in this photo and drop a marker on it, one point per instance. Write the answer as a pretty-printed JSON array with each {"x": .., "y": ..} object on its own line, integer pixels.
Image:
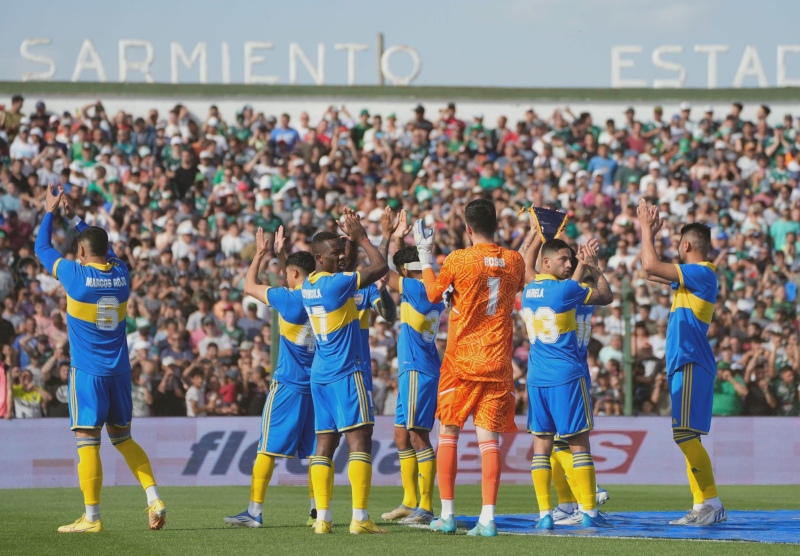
[{"x": 507, "y": 43}]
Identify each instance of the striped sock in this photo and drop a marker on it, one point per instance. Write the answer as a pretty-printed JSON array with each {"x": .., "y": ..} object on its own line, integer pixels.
[
  {"x": 321, "y": 472},
  {"x": 542, "y": 475},
  {"x": 408, "y": 476},
  {"x": 359, "y": 471},
  {"x": 585, "y": 481},
  {"x": 90, "y": 474},
  {"x": 700, "y": 463},
  {"x": 446, "y": 469},
  {"x": 426, "y": 464},
  {"x": 490, "y": 471}
]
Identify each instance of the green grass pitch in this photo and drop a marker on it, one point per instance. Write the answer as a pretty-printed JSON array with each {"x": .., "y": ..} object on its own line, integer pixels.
[{"x": 194, "y": 523}]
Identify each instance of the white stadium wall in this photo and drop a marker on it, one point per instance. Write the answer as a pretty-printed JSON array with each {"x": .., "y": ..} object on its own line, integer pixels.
[
  {"x": 403, "y": 108},
  {"x": 39, "y": 453}
]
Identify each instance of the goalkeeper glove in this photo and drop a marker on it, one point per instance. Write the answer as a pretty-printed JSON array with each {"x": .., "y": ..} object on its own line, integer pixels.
[{"x": 424, "y": 240}]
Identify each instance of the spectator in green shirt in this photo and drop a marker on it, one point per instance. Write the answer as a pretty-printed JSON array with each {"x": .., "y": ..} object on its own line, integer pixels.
[
  {"x": 729, "y": 389},
  {"x": 489, "y": 180}
]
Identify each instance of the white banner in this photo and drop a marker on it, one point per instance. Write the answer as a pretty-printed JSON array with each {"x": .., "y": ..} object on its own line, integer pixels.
[{"x": 221, "y": 451}]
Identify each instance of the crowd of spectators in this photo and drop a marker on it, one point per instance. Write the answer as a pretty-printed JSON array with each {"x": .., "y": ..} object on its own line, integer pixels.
[{"x": 183, "y": 194}]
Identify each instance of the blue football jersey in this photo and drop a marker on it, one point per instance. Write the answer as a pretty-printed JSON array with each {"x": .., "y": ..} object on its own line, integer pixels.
[
  {"x": 419, "y": 323},
  {"x": 97, "y": 302},
  {"x": 366, "y": 298},
  {"x": 692, "y": 310},
  {"x": 297, "y": 347},
  {"x": 549, "y": 310},
  {"x": 328, "y": 300}
]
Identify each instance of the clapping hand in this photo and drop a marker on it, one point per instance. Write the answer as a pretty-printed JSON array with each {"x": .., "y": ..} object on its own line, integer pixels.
[
  {"x": 388, "y": 223},
  {"x": 403, "y": 226},
  {"x": 278, "y": 242},
  {"x": 261, "y": 243},
  {"x": 53, "y": 197}
]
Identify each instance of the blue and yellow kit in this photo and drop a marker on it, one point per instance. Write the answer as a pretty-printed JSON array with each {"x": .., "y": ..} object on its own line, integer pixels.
[
  {"x": 693, "y": 303},
  {"x": 558, "y": 396},
  {"x": 691, "y": 365},
  {"x": 418, "y": 359},
  {"x": 287, "y": 421},
  {"x": 341, "y": 399},
  {"x": 97, "y": 299}
]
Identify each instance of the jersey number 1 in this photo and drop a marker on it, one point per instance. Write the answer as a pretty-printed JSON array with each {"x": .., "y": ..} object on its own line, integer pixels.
[{"x": 494, "y": 292}]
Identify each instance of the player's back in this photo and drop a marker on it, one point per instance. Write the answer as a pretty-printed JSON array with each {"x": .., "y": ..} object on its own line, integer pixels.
[
  {"x": 549, "y": 310},
  {"x": 486, "y": 279},
  {"x": 692, "y": 310},
  {"x": 297, "y": 345},
  {"x": 419, "y": 323},
  {"x": 97, "y": 300},
  {"x": 328, "y": 301}
]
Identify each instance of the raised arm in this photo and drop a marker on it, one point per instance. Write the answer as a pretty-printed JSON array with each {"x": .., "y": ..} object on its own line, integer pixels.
[
  {"x": 651, "y": 265},
  {"x": 278, "y": 246},
  {"x": 390, "y": 228},
  {"x": 435, "y": 286},
  {"x": 80, "y": 225},
  {"x": 350, "y": 248},
  {"x": 601, "y": 294},
  {"x": 531, "y": 254},
  {"x": 251, "y": 285},
  {"x": 580, "y": 268},
  {"x": 385, "y": 305},
  {"x": 358, "y": 235},
  {"x": 44, "y": 243}
]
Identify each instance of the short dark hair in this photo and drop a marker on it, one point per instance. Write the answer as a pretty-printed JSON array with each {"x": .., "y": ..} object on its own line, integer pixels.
[
  {"x": 481, "y": 216},
  {"x": 320, "y": 238},
  {"x": 17, "y": 98},
  {"x": 95, "y": 239},
  {"x": 699, "y": 235},
  {"x": 302, "y": 260},
  {"x": 196, "y": 372},
  {"x": 404, "y": 256},
  {"x": 553, "y": 246}
]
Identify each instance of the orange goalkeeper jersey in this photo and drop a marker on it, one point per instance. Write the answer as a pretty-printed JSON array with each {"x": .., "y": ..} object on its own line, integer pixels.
[{"x": 486, "y": 279}]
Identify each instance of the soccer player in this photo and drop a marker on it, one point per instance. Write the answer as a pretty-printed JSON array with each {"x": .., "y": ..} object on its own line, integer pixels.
[
  {"x": 476, "y": 375},
  {"x": 558, "y": 396},
  {"x": 695, "y": 285},
  {"x": 97, "y": 287},
  {"x": 569, "y": 511},
  {"x": 341, "y": 402},
  {"x": 287, "y": 421},
  {"x": 418, "y": 380}
]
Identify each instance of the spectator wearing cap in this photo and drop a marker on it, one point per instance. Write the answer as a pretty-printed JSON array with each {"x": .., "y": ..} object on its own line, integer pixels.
[
  {"x": 212, "y": 335},
  {"x": 225, "y": 303},
  {"x": 250, "y": 323},
  {"x": 420, "y": 122},
  {"x": 169, "y": 394},
  {"x": 186, "y": 245},
  {"x": 142, "y": 334}
]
